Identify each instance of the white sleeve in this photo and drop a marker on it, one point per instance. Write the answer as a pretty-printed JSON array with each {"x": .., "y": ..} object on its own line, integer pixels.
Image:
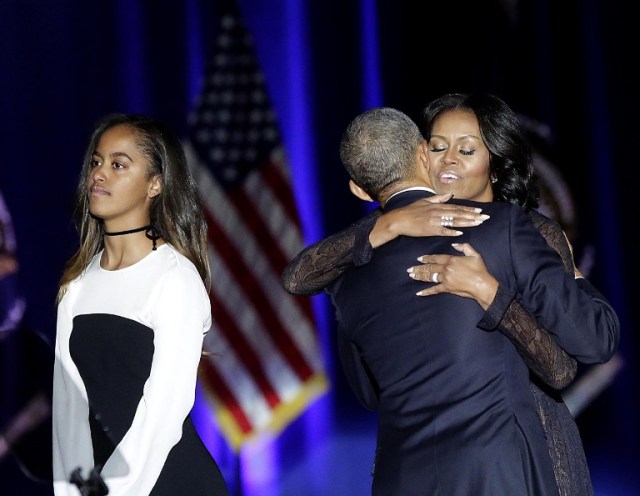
[
  {"x": 180, "y": 316},
  {"x": 72, "y": 446}
]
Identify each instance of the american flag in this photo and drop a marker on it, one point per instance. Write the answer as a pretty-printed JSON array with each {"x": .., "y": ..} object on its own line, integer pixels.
[{"x": 265, "y": 364}]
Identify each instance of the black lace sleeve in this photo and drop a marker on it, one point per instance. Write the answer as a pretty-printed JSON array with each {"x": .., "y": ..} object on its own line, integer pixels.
[
  {"x": 321, "y": 263},
  {"x": 535, "y": 344}
]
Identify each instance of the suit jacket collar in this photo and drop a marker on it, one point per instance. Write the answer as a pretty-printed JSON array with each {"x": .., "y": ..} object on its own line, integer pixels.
[{"x": 406, "y": 197}]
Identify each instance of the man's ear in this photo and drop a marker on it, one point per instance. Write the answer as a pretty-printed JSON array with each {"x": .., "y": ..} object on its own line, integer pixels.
[
  {"x": 423, "y": 153},
  {"x": 359, "y": 192},
  {"x": 424, "y": 163},
  {"x": 155, "y": 186}
]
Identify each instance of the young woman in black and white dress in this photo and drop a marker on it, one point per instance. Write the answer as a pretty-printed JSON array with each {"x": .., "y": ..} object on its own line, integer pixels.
[{"x": 133, "y": 309}]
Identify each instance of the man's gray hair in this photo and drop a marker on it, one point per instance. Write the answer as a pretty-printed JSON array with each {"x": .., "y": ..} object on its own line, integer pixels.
[{"x": 378, "y": 149}]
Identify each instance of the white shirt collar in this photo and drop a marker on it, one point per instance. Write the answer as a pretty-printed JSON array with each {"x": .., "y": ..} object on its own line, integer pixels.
[{"x": 413, "y": 188}]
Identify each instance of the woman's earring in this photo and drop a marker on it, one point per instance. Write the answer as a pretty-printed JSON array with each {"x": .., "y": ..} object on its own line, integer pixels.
[{"x": 494, "y": 180}]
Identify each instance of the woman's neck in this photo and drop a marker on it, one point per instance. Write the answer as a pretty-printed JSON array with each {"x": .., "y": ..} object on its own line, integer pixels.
[{"x": 124, "y": 248}]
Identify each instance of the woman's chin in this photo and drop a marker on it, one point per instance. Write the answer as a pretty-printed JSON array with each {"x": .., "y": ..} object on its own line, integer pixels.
[{"x": 443, "y": 189}]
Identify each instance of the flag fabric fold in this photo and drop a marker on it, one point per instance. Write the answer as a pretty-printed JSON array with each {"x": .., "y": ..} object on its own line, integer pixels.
[{"x": 264, "y": 362}]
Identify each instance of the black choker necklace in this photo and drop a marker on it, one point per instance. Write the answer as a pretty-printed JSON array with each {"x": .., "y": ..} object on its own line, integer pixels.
[
  {"x": 130, "y": 231},
  {"x": 151, "y": 233}
]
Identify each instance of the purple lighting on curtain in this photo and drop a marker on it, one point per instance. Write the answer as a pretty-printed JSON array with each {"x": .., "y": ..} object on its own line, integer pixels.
[
  {"x": 601, "y": 136},
  {"x": 371, "y": 80},
  {"x": 280, "y": 35},
  {"x": 298, "y": 137},
  {"x": 131, "y": 40},
  {"x": 297, "y": 131},
  {"x": 372, "y": 83},
  {"x": 195, "y": 52},
  {"x": 607, "y": 224}
]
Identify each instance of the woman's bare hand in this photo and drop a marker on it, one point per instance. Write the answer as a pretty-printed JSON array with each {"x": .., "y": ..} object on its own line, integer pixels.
[
  {"x": 465, "y": 276},
  {"x": 425, "y": 217}
]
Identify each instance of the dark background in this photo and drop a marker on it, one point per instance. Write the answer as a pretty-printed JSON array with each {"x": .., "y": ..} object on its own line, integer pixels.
[{"x": 568, "y": 67}]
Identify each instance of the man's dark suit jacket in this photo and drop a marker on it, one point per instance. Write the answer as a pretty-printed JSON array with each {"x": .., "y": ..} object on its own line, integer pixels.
[{"x": 456, "y": 417}]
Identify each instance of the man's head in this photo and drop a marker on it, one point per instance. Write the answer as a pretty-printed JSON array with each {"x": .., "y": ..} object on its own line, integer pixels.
[{"x": 380, "y": 149}]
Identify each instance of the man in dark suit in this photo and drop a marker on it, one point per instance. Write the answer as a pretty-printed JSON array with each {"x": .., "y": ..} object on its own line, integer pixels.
[{"x": 454, "y": 410}]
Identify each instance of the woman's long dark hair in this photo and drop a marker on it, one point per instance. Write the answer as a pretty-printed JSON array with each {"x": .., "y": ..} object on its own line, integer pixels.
[{"x": 510, "y": 154}]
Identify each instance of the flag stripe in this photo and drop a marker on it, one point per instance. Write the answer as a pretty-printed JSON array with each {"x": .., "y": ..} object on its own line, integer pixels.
[
  {"x": 281, "y": 189},
  {"x": 231, "y": 364},
  {"x": 252, "y": 220},
  {"x": 230, "y": 329},
  {"x": 224, "y": 394},
  {"x": 246, "y": 279},
  {"x": 273, "y": 215},
  {"x": 227, "y": 219},
  {"x": 284, "y": 304},
  {"x": 276, "y": 189}
]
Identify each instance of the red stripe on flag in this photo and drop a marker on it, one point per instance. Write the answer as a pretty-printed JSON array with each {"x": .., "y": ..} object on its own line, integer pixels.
[
  {"x": 245, "y": 278},
  {"x": 253, "y": 222},
  {"x": 224, "y": 395},
  {"x": 279, "y": 184},
  {"x": 243, "y": 349}
]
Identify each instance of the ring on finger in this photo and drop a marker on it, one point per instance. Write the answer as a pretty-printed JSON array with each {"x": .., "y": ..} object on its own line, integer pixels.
[
  {"x": 446, "y": 221},
  {"x": 435, "y": 276}
]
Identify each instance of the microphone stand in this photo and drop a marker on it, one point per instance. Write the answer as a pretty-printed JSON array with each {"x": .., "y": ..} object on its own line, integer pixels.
[{"x": 93, "y": 485}]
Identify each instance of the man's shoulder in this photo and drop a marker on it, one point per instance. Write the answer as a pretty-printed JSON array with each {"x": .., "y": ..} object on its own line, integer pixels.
[{"x": 504, "y": 208}]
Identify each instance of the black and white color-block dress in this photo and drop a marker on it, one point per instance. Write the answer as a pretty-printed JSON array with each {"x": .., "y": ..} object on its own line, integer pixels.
[{"x": 128, "y": 345}]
